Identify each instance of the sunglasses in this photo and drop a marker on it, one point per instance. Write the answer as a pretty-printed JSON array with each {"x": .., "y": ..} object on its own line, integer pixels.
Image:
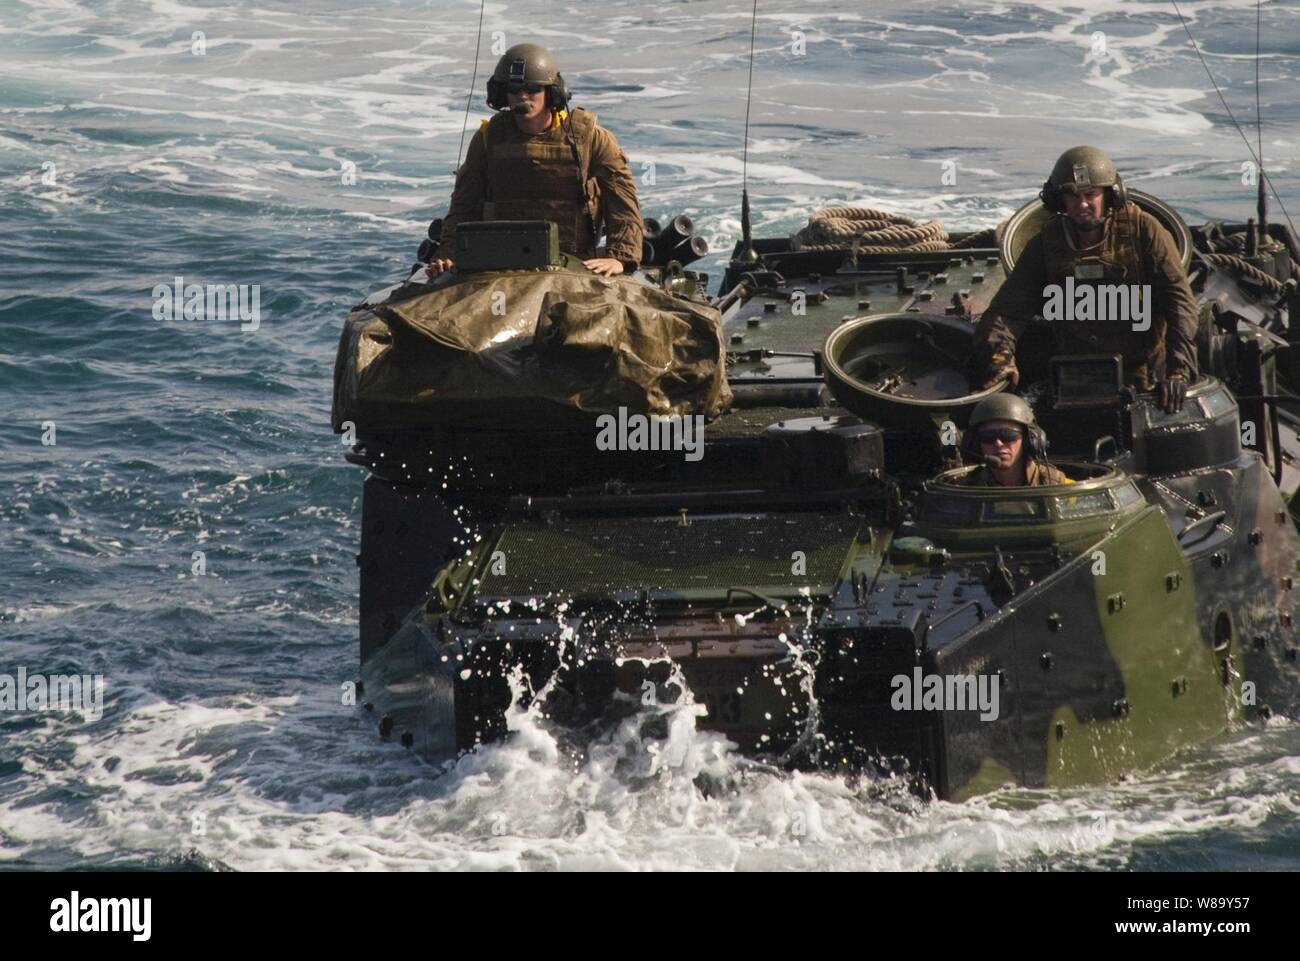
[
  {"x": 531, "y": 88},
  {"x": 1008, "y": 435}
]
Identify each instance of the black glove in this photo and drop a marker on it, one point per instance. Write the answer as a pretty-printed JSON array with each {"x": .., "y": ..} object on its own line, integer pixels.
[{"x": 1173, "y": 392}]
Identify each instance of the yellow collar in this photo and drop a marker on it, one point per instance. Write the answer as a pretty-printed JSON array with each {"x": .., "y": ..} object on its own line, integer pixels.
[{"x": 557, "y": 117}]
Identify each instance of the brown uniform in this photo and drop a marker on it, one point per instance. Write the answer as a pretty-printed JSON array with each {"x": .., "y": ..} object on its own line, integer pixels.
[
  {"x": 1135, "y": 249},
  {"x": 1037, "y": 474},
  {"x": 511, "y": 175}
]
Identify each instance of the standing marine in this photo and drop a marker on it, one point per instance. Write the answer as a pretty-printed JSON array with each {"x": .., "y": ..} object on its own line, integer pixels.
[
  {"x": 1099, "y": 237},
  {"x": 539, "y": 160},
  {"x": 1005, "y": 435}
]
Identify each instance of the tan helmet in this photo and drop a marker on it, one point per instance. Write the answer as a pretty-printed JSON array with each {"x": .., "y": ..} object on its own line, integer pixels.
[
  {"x": 526, "y": 63},
  {"x": 1083, "y": 168},
  {"x": 1004, "y": 406}
]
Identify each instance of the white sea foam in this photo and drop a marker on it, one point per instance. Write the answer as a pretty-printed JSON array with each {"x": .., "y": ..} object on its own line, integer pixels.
[{"x": 681, "y": 800}]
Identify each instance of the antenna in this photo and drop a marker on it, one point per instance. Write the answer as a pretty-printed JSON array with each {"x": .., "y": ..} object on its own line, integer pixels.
[
  {"x": 1263, "y": 178},
  {"x": 469, "y": 97},
  {"x": 748, "y": 254},
  {"x": 1261, "y": 204}
]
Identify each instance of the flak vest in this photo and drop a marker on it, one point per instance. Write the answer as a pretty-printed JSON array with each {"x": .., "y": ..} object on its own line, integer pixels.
[
  {"x": 1037, "y": 474},
  {"x": 1115, "y": 261},
  {"x": 538, "y": 178}
]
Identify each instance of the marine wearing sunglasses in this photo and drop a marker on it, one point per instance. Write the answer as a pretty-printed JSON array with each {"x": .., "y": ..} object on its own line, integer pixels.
[{"x": 1005, "y": 438}]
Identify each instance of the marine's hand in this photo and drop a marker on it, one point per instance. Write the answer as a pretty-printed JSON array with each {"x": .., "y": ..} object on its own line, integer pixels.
[
  {"x": 605, "y": 266},
  {"x": 1001, "y": 367},
  {"x": 435, "y": 267},
  {"x": 1173, "y": 391}
]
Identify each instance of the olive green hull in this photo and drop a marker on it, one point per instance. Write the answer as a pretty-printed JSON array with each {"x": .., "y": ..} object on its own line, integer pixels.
[
  {"x": 1125, "y": 647},
  {"x": 808, "y": 576}
]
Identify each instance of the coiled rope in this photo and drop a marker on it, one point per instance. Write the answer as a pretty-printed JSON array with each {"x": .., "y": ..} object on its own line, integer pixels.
[
  {"x": 1246, "y": 268},
  {"x": 869, "y": 231},
  {"x": 865, "y": 230},
  {"x": 988, "y": 237},
  {"x": 1230, "y": 244}
]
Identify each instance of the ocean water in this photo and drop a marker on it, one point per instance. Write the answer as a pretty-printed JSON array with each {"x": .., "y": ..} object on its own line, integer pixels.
[{"x": 303, "y": 149}]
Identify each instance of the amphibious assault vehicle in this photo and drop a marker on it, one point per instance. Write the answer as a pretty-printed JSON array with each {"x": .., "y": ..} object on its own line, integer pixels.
[{"x": 816, "y": 581}]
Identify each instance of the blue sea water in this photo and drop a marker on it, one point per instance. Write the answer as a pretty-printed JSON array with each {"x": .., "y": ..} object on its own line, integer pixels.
[{"x": 145, "y": 140}]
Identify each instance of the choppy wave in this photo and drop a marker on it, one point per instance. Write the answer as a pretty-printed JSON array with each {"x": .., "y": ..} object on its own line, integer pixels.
[{"x": 259, "y": 781}]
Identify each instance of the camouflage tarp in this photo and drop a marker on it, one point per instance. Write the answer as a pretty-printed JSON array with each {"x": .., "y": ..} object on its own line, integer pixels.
[{"x": 528, "y": 348}]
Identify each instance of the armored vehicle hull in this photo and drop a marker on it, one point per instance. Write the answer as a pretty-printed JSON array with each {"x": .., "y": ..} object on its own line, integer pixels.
[{"x": 817, "y": 581}]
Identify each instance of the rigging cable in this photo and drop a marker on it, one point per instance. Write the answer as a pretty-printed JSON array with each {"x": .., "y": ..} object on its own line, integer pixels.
[
  {"x": 749, "y": 93},
  {"x": 1259, "y": 121},
  {"x": 469, "y": 97},
  {"x": 746, "y": 231},
  {"x": 1240, "y": 132}
]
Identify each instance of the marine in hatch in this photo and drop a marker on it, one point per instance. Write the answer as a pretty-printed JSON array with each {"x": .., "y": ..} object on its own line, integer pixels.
[
  {"x": 1099, "y": 239},
  {"x": 1005, "y": 435}
]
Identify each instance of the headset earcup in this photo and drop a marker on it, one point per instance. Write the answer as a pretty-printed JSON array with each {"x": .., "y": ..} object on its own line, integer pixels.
[
  {"x": 1051, "y": 197},
  {"x": 1121, "y": 193},
  {"x": 495, "y": 98},
  {"x": 557, "y": 94},
  {"x": 969, "y": 445},
  {"x": 1037, "y": 442}
]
